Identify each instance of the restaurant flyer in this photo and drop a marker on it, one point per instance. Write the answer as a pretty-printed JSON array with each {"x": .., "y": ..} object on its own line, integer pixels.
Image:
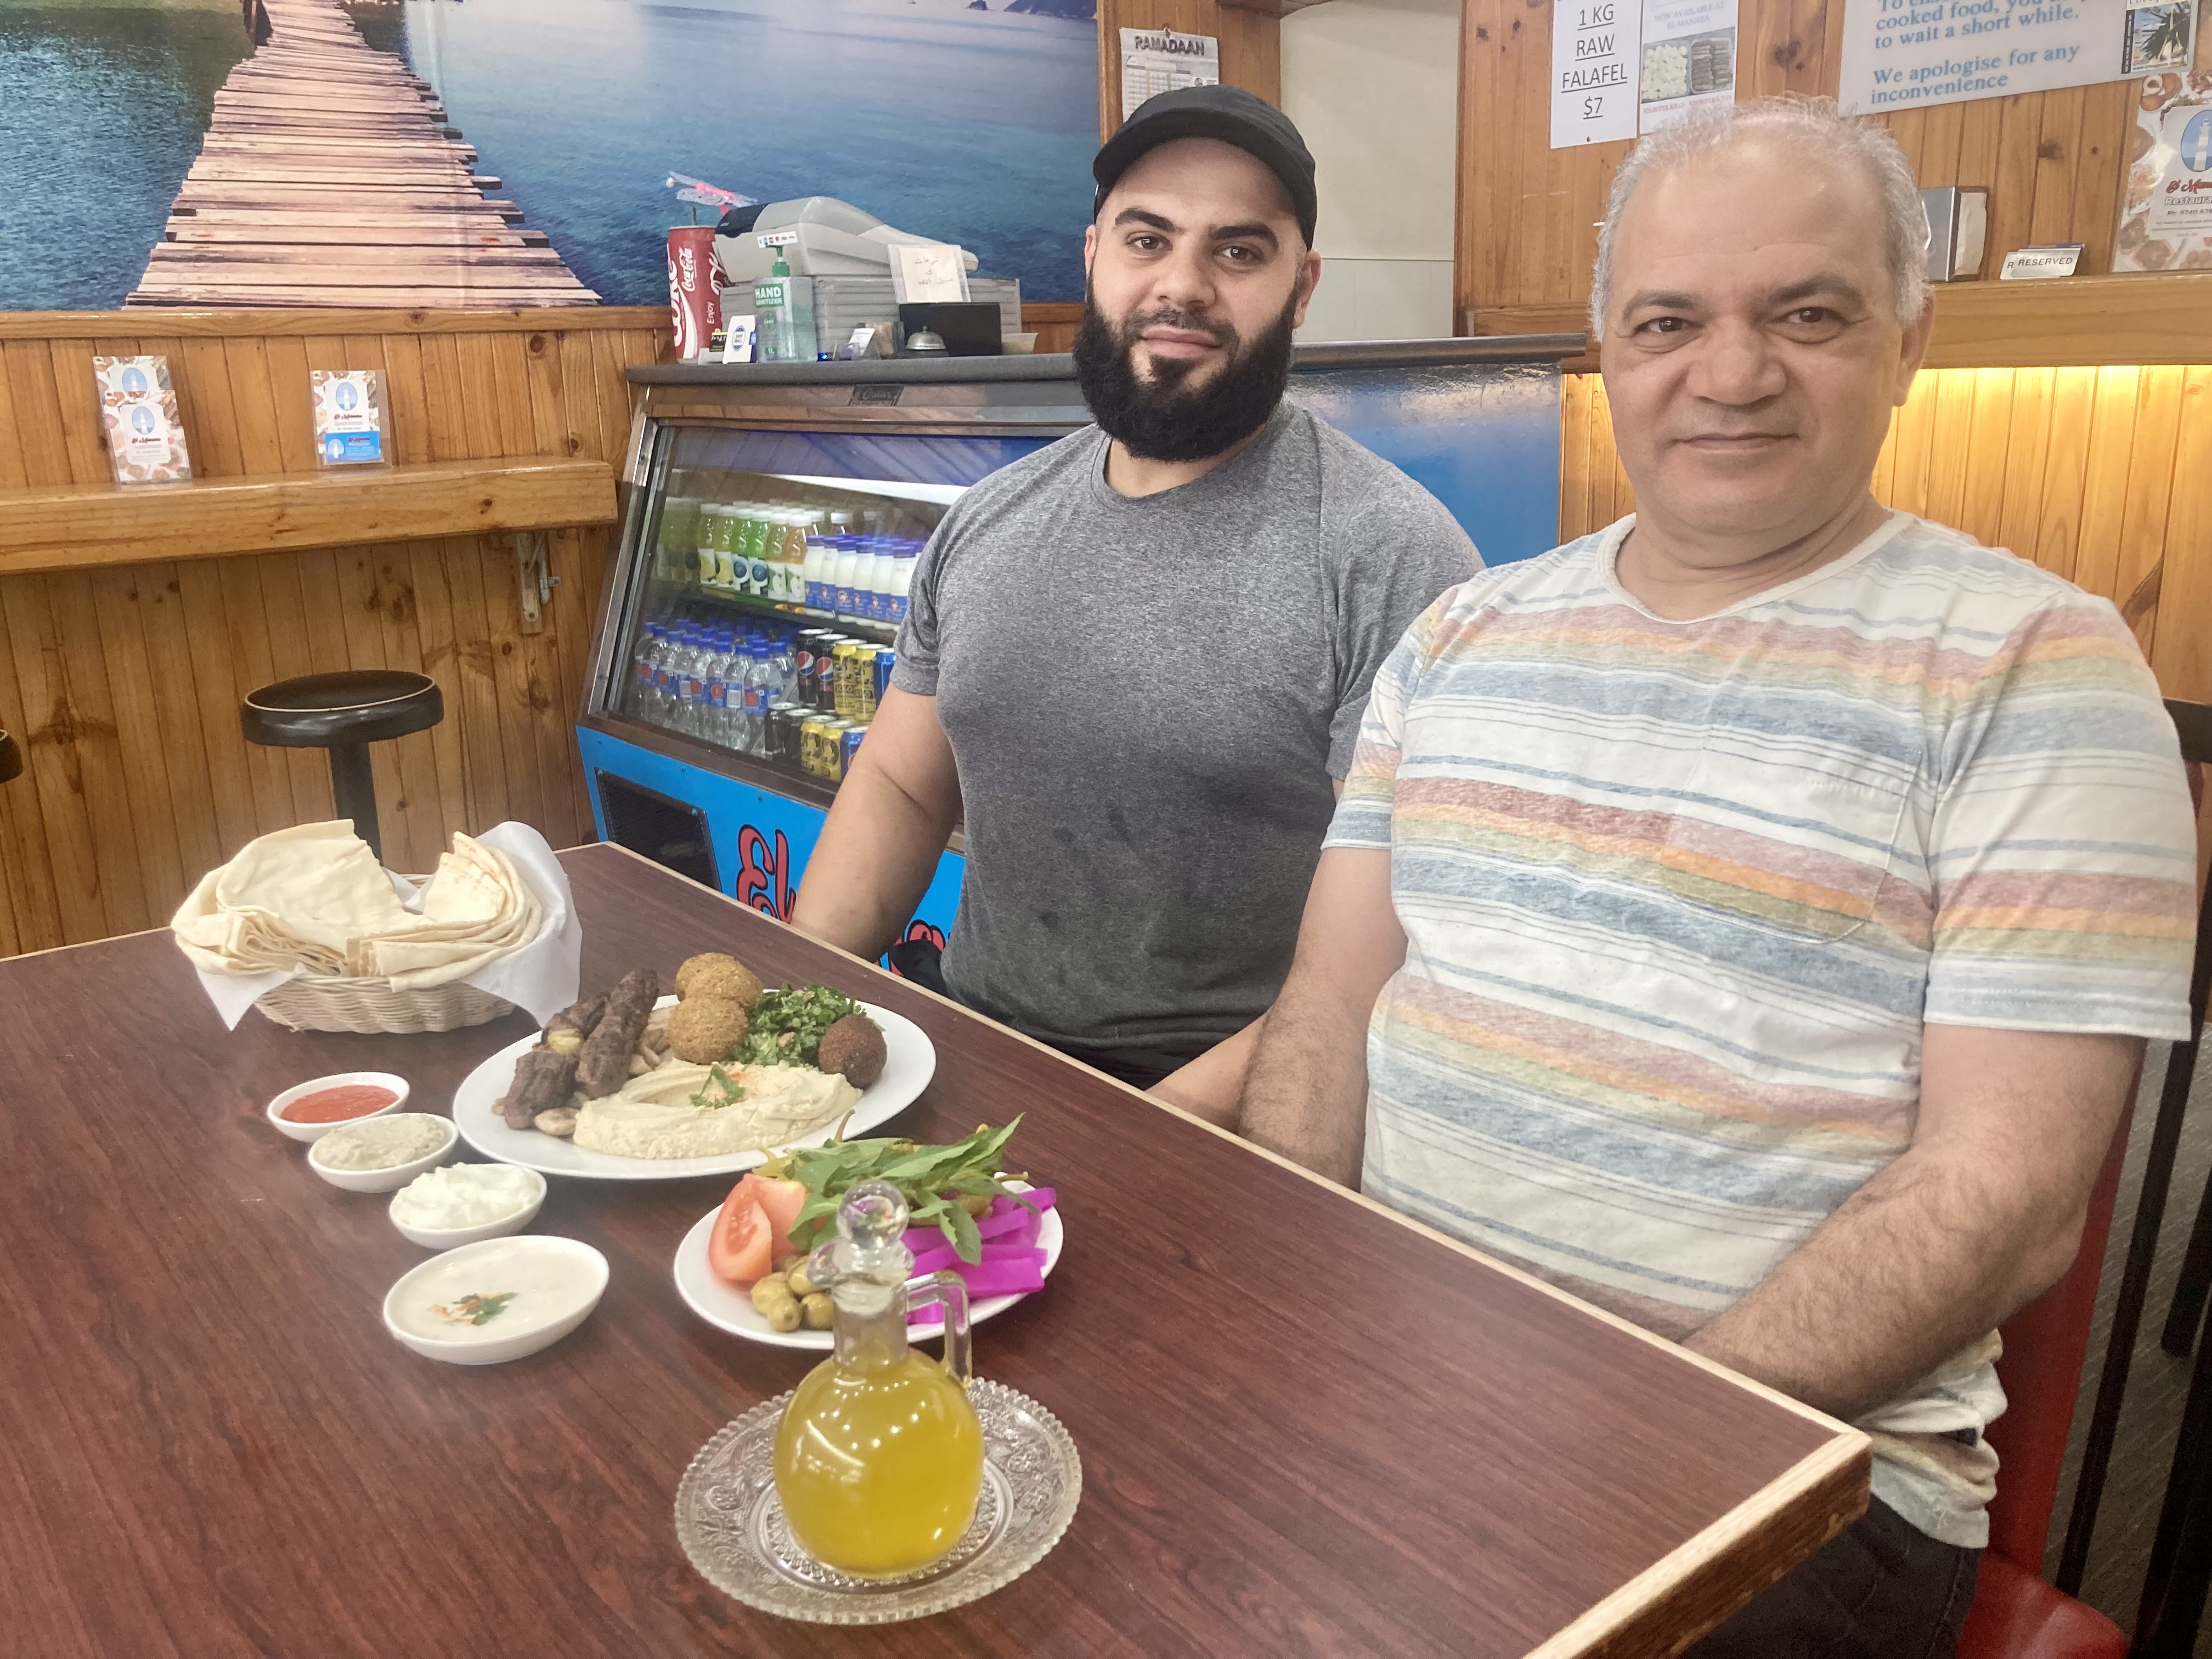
[
  {"x": 138, "y": 409},
  {"x": 1689, "y": 60},
  {"x": 349, "y": 406},
  {"x": 2165, "y": 214}
]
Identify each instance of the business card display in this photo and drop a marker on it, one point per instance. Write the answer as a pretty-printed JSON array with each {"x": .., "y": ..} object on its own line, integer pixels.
[
  {"x": 349, "y": 416},
  {"x": 138, "y": 408}
]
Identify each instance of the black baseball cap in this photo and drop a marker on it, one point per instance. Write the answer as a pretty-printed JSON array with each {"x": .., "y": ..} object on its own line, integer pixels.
[{"x": 1229, "y": 113}]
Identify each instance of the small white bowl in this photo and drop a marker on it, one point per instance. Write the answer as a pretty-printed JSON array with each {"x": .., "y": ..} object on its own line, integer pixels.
[
  {"x": 591, "y": 1271},
  {"x": 313, "y": 1131},
  {"x": 452, "y": 1238},
  {"x": 391, "y": 1180}
]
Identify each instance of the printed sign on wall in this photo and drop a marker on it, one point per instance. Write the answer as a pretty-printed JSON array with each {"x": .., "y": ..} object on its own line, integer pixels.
[
  {"x": 1594, "y": 64},
  {"x": 1908, "y": 54},
  {"x": 1689, "y": 60}
]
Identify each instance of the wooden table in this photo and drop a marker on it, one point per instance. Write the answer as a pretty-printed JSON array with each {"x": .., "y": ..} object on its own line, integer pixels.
[{"x": 1307, "y": 1426}]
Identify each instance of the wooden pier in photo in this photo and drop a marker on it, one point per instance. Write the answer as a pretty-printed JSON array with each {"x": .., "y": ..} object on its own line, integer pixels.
[{"x": 328, "y": 176}]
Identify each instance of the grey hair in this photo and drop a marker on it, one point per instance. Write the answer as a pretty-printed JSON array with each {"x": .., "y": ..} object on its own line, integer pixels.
[{"x": 1815, "y": 126}]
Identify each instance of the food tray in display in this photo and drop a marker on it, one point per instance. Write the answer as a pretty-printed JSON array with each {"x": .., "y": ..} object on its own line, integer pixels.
[
  {"x": 730, "y": 1524},
  {"x": 910, "y": 1060},
  {"x": 726, "y": 1307}
]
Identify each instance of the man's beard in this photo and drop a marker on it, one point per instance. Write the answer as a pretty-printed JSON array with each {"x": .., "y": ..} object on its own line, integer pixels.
[{"x": 1165, "y": 419}]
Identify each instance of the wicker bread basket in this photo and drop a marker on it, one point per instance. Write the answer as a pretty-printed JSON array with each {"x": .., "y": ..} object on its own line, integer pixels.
[
  {"x": 314, "y": 1003},
  {"x": 308, "y": 1003}
]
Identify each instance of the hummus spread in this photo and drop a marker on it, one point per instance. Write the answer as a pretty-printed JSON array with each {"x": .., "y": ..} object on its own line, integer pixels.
[{"x": 652, "y": 1116}]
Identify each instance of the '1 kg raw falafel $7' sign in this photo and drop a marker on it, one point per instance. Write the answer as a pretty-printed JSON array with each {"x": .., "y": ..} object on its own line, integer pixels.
[{"x": 1594, "y": 66}]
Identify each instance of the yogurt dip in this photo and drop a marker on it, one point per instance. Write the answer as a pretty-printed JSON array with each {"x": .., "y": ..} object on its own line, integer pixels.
[{"x": 463, "y": 1195}]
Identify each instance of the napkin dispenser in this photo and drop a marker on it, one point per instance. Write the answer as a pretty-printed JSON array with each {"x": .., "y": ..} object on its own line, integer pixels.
[{"x": 1958, "y": 231}]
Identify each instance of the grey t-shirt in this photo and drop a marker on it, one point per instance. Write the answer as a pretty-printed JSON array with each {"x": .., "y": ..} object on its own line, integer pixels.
[{"x": 1146, "y": 699}]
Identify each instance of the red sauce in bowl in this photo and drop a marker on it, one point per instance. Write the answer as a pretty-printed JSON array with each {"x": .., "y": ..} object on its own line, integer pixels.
[{"x": 335, "y": 1105}]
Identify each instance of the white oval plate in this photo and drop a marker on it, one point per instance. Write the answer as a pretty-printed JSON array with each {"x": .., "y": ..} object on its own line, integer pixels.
[
  {"x": 910, "y": 1062},
  {"x": 723, "y": 1305}
]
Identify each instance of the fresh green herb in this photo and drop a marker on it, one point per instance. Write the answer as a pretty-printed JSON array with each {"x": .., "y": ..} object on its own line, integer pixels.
[
  {"x": 935, "y": 1180},
  {"x": 785, "y": 1027},
  {"x": 731, "y": 1090},
  {"x": 475, "y": 1308}
]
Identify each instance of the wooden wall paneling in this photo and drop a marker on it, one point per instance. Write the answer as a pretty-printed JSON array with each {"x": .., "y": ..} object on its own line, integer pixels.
[
  {"x": 2058, "y": 542},
  {"x": 2105, "y": 479},
  {"x": 2182, "y": 647},
  {"x": 291, "y": 653},
  {"x": 2108, "y": 124},
  {"x": 437, "y": 641},
  {"x": 2027, "y": 442},
  {"x": 409, "y": 440},
  {"x": 484, "y": 753},
  {"x": 1988, "y": 439},
  {"x": 87, "y": 687},
  {"x": 51, "y": 755},
  {"x": 2153, "y": 440},
  {"x": 419, "y": 803},
  {"x": 124, "y": 682},
  {"x": 1251, "y": 50},
  {"x": 188, "y": 768},
  {"x": 121, "y": 602}
]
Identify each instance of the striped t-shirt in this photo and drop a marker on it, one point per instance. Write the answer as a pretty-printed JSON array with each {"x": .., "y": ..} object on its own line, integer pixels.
[{"x": 1678, "y": 896}]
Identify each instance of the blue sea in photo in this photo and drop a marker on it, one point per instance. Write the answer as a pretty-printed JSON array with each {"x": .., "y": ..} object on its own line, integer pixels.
[{"x": 974, "y": 126}]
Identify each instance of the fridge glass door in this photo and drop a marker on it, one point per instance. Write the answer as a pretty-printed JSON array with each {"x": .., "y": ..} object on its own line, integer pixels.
[{"x": 769, "y": 577}]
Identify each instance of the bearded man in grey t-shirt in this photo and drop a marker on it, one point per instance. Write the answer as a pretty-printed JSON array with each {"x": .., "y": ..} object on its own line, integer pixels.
[{"x": 1135, "y": 662}]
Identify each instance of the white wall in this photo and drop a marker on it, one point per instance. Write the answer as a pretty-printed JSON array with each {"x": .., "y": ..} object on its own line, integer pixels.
[{"x": 1374, "y": 86}]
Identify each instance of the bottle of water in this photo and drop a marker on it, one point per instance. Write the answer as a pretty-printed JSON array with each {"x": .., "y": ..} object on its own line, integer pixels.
[
  {"x": 714, "y": 673},
  {"x": 758, "y": 681},
  {"x": 783, "y": 668},
  {"x": 640, "y": 698},
  {"x": 664, "y": 675}
]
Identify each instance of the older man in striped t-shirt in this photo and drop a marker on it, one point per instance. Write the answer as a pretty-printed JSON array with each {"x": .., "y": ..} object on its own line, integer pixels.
[{"x": 1754, "y": 911}]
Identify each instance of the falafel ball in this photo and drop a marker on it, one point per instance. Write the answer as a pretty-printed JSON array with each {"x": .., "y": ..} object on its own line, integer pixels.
[
  {"x": 703, "y": 1030},
  {"x": 854, "y": 1047},
  {"x": 715, "y": 973}
]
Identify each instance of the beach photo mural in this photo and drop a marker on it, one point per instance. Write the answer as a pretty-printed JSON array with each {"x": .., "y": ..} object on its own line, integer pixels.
[{"x": 497, "y": 152}]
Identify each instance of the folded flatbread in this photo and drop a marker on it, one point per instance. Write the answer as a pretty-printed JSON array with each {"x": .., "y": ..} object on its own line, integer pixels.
[{"x": 313, "y": 899}]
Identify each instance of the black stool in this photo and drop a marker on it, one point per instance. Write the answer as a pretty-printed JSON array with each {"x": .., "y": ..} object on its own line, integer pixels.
[
  {"x": 345, "y": 713},
  {"x": 11, "y": 758}
]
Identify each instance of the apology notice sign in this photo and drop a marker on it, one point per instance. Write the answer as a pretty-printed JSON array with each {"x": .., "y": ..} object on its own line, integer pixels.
[
  {"x": 1594, "y": 54},
  {"x": 1905, "y": 54}
]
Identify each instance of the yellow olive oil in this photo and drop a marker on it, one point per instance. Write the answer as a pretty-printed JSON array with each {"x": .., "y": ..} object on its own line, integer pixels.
[{"x": 877, "y": 1468}]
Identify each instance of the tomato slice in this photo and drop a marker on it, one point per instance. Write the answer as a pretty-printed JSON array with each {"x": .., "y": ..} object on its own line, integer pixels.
[
  {"x": 742, "y": 1246},
  {"x": 782, "y": 1200}
]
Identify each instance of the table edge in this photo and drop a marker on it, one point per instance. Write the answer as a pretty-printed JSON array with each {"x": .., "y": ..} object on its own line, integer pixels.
[
  {"x": 1636, "y": 1620},
  {"x": 1772, "y": 1396}
]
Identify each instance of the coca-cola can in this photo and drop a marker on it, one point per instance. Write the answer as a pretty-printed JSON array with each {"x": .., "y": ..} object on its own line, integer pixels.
[{"x": 695, "y": 290}]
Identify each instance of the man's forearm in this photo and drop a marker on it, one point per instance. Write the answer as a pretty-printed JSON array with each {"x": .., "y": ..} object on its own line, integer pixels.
[
  {"x": 1305, "y": 1092},
  {"x": 876, "y": 857},
  {"x": 1977, "y": 1218}
]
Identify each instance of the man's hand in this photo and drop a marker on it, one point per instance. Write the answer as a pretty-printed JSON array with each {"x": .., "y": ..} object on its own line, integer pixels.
[
  {"x": 1305, "y": 1095},
  {"x": 1977, "y": 1218},
  {"x": 894, "y": 813}
]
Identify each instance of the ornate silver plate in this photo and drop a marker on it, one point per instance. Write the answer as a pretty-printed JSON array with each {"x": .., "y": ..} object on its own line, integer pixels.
[{"x": 730, "y": 1524}]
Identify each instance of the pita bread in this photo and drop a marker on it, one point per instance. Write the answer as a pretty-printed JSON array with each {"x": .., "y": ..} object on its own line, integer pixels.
[{"x": 313, "y": 899}]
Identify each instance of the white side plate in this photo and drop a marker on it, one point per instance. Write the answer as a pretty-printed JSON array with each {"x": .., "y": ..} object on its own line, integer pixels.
[{"x": 726, "y": 1307}]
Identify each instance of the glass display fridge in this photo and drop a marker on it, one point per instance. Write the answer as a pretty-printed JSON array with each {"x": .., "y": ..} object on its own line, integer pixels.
[{"x": 773, "y": 515}]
